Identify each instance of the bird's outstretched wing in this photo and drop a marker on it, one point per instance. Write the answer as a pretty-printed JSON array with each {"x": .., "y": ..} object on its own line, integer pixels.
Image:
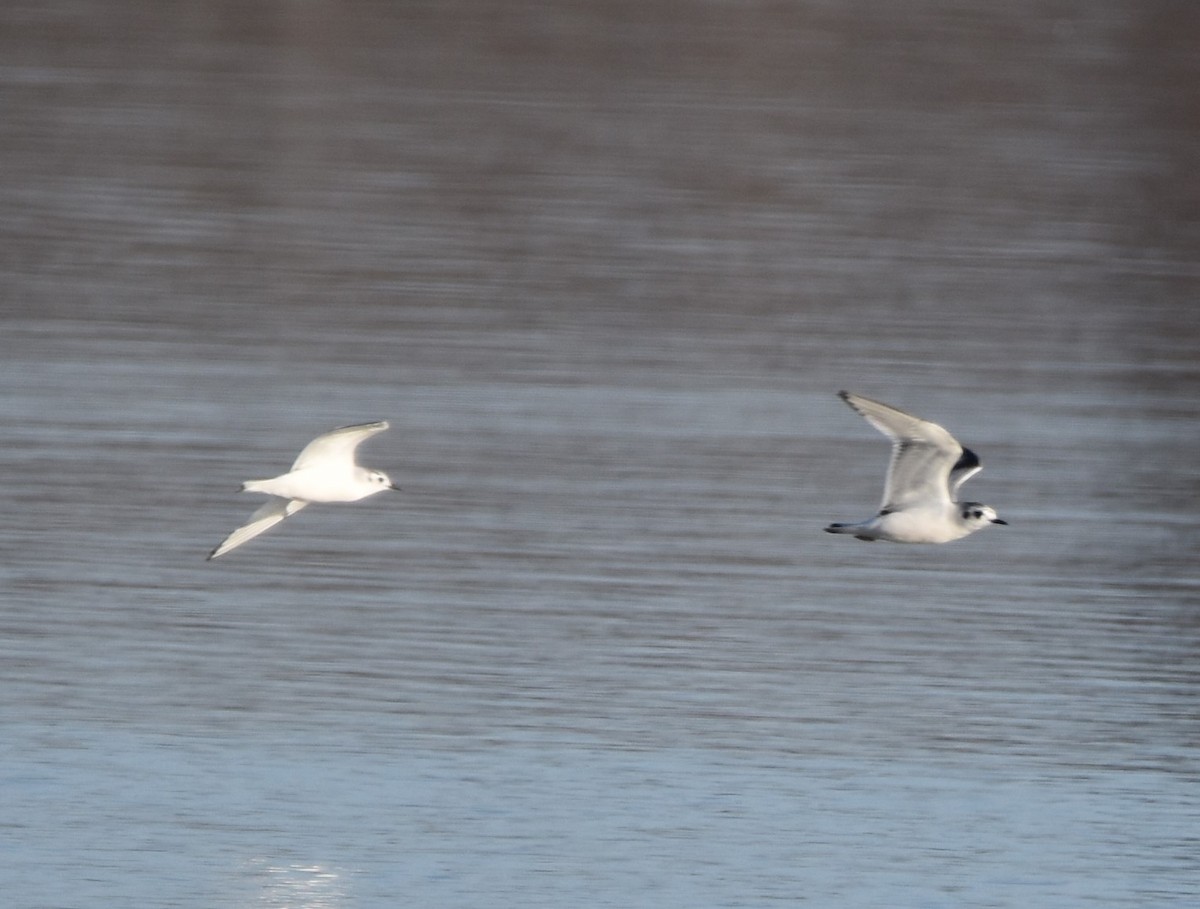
[
  {"x": 338, "y": 445},
  {"x": 923, "y": 455},
  {"x": 274, "y": 511}
]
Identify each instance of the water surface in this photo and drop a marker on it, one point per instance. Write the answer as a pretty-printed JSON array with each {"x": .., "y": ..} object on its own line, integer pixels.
[{"x": 604, "y": 268}]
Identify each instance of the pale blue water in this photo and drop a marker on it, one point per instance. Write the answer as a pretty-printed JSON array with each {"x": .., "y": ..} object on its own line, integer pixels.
[
  {"x": 604, "y": 269},
  {"x": 313, "y": 822}
]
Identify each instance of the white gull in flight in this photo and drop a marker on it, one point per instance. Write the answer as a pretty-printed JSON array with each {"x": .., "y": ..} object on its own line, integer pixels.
[
  {"x": 927, "y": 467},
  {"x": 324, "y": 471}
]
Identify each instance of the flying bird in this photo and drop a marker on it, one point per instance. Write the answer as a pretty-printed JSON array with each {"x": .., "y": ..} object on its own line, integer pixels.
[
  {"x": 928, "y": 466},
  {"x": 325, "y": 471}
]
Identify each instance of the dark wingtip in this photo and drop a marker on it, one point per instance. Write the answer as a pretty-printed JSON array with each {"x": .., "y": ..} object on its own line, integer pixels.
[
  {"x": 846, "y": 396},
  {"x": 967, "y": 460}
]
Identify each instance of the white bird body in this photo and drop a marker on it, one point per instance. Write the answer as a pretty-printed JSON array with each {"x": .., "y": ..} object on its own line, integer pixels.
[
  {"x": 916, "y": 525},
  {"x": 314, "y": 484},
  {"x": 324, "y": 471},
  {"x": 928, "y": 466}
]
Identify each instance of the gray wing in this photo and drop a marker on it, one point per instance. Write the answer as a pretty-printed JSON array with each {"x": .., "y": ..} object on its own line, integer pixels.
[
  {"x": 923, "y": 454},
  {"x": 338, "y": 445},
  {"x": 274, "y": 511}
]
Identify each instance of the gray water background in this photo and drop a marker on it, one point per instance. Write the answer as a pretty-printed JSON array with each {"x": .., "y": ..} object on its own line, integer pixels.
[{"x": 603, "y": 265}]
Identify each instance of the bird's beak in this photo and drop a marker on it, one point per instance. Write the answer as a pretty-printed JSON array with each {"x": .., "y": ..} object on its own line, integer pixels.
[
  {"x": 999, "y": 521},
  {"x": 395, "y": 488}
]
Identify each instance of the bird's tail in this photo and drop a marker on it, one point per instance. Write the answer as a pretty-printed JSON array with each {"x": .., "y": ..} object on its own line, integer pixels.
[
  {"x": 858, "y": 531},
  {"x": 854, "y": 529},
  {"x": 253, "y": 486}
]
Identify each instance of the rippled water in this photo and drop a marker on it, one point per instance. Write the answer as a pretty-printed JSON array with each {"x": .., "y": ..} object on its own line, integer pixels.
[{"x": 603, "y": 267}]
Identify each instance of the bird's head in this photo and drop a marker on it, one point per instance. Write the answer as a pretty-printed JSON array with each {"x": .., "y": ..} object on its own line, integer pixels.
[
  {"x": 977, "y": 514},
  {"x": 382, "y": 480}
]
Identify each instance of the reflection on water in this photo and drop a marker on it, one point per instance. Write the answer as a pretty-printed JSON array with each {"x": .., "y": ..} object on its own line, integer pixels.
[
  {"x": 603, "y": 268},
  {"x": 309, "y": 886}
]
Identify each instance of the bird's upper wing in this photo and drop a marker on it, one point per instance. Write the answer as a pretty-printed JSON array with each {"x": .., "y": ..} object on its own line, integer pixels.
[
  {"x": 274, "y": 511},
  {"x": 338, "y": 445},
  {"x": 923, "y": 454}
]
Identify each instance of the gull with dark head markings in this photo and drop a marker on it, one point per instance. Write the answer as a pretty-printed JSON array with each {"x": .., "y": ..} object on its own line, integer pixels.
[
  {"x": 325, "y": 471},
  {"x": 927, "y": 467}
]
